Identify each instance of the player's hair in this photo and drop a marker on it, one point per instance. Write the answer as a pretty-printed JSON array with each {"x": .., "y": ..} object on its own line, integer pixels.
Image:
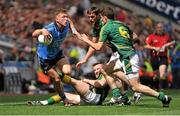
[
  {"x": 94, "y": 10},
  {"x": 96, "y": 63},
  {"x": 60, "y": 10},
  {"x": 108, "y": 12}
]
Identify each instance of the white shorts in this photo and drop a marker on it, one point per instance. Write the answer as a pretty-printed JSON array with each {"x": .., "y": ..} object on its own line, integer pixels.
[
  {"x": 131, "y": 66},
  {"x": 90, "y": 98},
  {"x": 118, "y": 64}
]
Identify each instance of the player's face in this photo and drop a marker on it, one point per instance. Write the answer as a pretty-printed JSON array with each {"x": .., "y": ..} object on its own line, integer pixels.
[
  {"x": 92, "y": 17},
  {"x": 97, "y": 68},
  {"x": 104, "y": 19},
  {"x": 61, "y": 19}
]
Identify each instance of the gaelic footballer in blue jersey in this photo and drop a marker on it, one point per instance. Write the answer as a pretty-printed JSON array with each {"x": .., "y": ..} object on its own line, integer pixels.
[{"x": 51, "y": 55}]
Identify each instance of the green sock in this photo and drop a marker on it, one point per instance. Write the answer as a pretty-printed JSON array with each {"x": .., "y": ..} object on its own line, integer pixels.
[
  {"x": 161, "y": 96},
  {"x": 124, "y": 96},
  {"x": 51, "y": 101},
  {"x": 61, "y": 74},
  {"x": 116, "y": 92}
]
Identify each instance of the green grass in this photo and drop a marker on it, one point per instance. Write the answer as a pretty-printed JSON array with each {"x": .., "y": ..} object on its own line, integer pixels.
[{"x": 148, "y": 105}]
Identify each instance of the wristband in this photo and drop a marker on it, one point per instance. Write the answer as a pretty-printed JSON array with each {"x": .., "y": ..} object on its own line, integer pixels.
[{"x": 73, "y": 30}]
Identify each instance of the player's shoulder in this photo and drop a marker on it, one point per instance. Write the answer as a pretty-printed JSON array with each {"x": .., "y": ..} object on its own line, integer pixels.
[
  {"x": 107, "y": 26},
  {"x": 50, "y": 26}
]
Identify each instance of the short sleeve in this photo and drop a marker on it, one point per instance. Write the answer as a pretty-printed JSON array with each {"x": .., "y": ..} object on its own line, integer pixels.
[
  {"x": 148, "y": 40},
  {"x": 49, "y": 27}
]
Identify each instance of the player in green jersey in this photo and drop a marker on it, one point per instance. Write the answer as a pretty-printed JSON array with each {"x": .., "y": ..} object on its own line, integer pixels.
[
  {"x": 119, "y": 36},
  {"x": 89, "y": 91},
  {"x": 93, "y": 15}
]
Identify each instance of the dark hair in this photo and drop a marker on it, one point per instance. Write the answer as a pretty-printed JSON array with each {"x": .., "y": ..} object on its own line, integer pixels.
[
  {"x": 94, "y": 10},
  {"x": 137, "y": 42},
  {"x": 108, "y": 12},
  {"x": 60, "y": 10},
  {"x": 96, "y": 64}
]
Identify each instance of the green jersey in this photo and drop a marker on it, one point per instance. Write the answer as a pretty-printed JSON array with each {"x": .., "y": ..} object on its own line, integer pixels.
[
  {"x": 102, "y": 91},
  {"x": 119, "y": 36},
  {"x": 97, "y": 28}
]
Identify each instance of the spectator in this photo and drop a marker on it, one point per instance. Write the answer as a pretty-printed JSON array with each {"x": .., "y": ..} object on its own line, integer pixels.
[
  {"x": 1, "y": 71},
  {"x": 1, "y": 56},
  {"x": 13, "y": 56},
  {"x": 176, "y": 66}
]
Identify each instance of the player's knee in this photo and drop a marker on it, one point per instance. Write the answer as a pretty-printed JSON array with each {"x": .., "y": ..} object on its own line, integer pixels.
[
  {"x": 67, "y": 70},
  {"x": 135, "y": 88}
]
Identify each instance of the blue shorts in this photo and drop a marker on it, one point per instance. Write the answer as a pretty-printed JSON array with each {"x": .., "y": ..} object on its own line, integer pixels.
[{"x": 47, "y": 64}]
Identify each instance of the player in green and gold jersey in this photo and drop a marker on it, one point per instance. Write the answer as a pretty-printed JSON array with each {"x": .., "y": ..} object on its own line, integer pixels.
[
  {"x": 93, "y": 15},
  {"x": 88, "y": 91},
  {"x": 120, "y": 37}
]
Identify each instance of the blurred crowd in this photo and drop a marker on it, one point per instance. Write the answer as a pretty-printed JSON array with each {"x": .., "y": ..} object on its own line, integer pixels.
[{"x": 18, "y": 19}]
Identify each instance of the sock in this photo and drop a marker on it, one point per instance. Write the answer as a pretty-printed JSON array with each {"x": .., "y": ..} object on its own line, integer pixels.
[
  {"x": 53, "y": 99},
  {"x": 161, "y": 96},
  {"x": 65, "y": 78},
  {"x": 116, "y": 92},
  {"x": 124, "y": 96},
  {"x": 50, "y": 101},
  {"x": 56, "y": 98}
]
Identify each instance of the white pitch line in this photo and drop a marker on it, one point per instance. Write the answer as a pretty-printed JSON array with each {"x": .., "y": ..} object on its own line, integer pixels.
[{"x": 13, "y": 103}]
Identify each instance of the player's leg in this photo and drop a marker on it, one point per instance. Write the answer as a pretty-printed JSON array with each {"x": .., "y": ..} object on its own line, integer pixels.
[
  {"x": 47, "y": 65},
  {"x": 81, "y": 87},
  {"x": 57, "y": 82},
  {"x": 118, "y": 97},
  {"x": 133, "y": 76},
  {"x": 73, "y": 98},
  {"x": 125, "y": 99},
  {"x": 113, "y": 69},
  {"x": 64, "y": 70}
]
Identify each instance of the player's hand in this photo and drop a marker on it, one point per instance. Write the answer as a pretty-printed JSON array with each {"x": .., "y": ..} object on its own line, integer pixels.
[
  {"x": 67, "y": 102},
  {"x": 83, "y": 61},
  {"x": 103, "y": 72},
  {"x": 46, "y": 33}
]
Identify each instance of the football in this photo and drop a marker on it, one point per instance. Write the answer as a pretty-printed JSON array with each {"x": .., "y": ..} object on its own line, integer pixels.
[{"x": 45, "y": 40}]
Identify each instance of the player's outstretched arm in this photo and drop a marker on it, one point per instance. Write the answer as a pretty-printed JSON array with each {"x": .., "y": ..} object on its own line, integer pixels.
[
  {"x": 88, "y": 55},
  {"x": 96, "y": 46},
  {"x": 38, "y": 32},
  {"x": 96, "y": 83}
]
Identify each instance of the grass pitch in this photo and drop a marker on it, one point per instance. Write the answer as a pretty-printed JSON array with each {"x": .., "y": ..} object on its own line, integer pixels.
[{"x": 16, "y": 105}]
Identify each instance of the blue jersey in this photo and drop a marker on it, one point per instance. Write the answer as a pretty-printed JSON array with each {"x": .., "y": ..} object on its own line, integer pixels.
[{"x": 50, "y": 51}]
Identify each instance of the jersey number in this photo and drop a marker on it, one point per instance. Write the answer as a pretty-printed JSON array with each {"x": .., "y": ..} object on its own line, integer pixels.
[{"x": 124, "y": 32}]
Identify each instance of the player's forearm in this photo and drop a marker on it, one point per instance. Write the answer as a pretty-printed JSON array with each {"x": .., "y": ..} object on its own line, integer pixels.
[
  {"x": 37, "y": 32},
  {"x": 95, "y": 46},
  {"x": 95, "y": 83},
  {"x": 89, "y": 53}
]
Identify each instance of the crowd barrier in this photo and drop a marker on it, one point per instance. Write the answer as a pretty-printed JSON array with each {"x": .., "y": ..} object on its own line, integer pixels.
[{"x": 15, "y": 72}]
